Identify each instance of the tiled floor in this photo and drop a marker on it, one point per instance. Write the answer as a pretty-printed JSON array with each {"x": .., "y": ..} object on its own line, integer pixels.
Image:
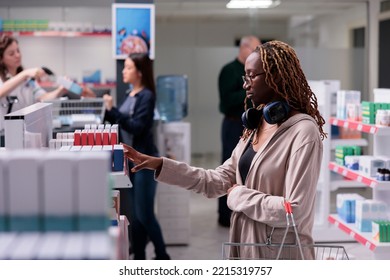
[{"x": 207, "y": 237}]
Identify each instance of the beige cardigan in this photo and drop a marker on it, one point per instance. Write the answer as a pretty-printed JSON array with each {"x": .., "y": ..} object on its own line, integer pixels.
[{"x": 287, "y": 167}]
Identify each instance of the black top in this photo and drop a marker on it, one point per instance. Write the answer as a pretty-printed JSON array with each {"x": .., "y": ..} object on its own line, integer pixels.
[
  {"x": 245, "y": 161},
  {"x": 138, "y": 121},
  {"x": 231, "y": 93}
]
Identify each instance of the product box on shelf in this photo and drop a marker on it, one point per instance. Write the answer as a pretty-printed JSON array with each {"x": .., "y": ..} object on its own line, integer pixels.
[
  {"x": 369, "y": 165},
  {"x": 354, "y": 112},
  {"x": 370, "y": 109},
  {"x": 352, "y": 162},
  {"x": 341, "y": 152},
  {"x": 345, "y": 97},
  {"x": 115, "y": 194},
  {"x": 382, "y": 117},
  {"x": 368, "y": 211},
  {"x": 382, "y": 95},
  {"x": 92, "y": 76},
  {"x": 381, "y": 231},
  {"x": 348, "y": 133},
  {"x": 346, "y": 206}
]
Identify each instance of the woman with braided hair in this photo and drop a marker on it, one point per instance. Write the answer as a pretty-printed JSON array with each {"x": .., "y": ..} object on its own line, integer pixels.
[{"x": 277, "y": 159}]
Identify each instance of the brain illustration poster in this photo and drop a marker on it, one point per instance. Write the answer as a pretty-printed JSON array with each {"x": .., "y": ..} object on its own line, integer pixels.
[{"x": 133, "y": 29}]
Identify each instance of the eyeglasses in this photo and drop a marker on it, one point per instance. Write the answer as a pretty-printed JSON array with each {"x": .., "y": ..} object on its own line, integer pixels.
[{"x": 249, "y": 78}]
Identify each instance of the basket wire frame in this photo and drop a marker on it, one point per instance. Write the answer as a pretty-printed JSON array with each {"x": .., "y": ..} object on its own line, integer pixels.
[{"x": 282, "y": 251}]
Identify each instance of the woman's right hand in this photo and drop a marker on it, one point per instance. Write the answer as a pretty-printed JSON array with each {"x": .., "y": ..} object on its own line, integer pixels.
[
  {"x": 108, "y": 102},
  {"x": 34, "y": 73},
  {"x": 140, "y": 160}
]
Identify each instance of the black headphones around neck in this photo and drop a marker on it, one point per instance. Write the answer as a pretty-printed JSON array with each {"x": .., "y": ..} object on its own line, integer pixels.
[{"x": 273, "y": 113}]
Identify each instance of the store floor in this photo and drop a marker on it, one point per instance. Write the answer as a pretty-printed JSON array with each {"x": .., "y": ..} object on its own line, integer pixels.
[{"x": 207, "y": 237}]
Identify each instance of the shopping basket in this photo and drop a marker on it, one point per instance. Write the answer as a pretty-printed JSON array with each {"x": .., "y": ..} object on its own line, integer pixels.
[{"x": 283, "y": 251}]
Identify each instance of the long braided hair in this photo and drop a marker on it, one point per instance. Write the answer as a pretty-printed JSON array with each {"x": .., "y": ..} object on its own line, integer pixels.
[{"x": 280, "y": 61}]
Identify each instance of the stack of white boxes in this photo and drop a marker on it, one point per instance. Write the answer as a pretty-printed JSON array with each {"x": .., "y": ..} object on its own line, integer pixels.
[
  {"x": 53, "y": 206},
  {"x": 368, "y": 211},
  {"x": 345, "y": 97},
  {"x": 173, "y": 209}
]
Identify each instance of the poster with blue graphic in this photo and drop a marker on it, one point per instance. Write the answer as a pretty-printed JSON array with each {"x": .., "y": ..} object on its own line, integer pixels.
[{"x": 133, "y": 29}]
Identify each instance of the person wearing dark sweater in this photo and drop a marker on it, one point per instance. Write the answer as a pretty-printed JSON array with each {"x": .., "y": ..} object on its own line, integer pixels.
[
  {"x": 231, "y": 105},
  {"x": 135, "y": 120}
]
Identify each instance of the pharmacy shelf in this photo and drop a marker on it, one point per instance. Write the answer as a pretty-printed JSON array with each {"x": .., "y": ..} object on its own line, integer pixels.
[
  {"x": 91, "y": 85},
  {"x": 335, "y": 184},
  {"x": 357, "y": 176},
  {"x": 121, "y": 180},
  {"x": 380, "y": 189},
  {"x": 364, "y": 238},
  {"x": 367, "y": 128},
  {"x": 348, "y": 142},
  {"x": 57, "y": 34}
]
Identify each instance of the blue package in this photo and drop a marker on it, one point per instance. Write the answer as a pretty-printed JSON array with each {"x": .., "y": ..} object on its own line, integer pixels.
[{"x": 75, "y": 88}]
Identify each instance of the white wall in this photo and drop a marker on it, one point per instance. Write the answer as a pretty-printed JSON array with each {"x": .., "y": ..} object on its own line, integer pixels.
[
  {"x": 332, "y": 31},
  {"x": 324, "y": 45},
  {"x": 199, "y": 49}
]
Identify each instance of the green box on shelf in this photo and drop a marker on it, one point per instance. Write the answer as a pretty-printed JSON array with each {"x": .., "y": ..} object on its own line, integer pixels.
[
  {"x": 357, "y": 150},
  {"x": 8, "y": 25},
  {"x": 41, "y": 24},
  {"x": 381, "y": 231},
  {"x": 340, "y": 161},
  {"x": 368, "y": 119},
  {"x": 382, "y": 106}
]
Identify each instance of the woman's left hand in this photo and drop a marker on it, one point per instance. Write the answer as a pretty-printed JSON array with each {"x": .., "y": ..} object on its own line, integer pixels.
[{"x": 87, "y": 92}]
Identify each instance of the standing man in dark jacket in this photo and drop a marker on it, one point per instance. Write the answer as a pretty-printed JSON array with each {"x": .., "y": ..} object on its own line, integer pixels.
[{"x": 232, "y": 98}]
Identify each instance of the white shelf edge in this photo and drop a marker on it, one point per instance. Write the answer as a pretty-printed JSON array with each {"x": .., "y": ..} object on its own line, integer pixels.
[
  {"x": 359, "y": 126},
  {"x": 348, "y": 142},
  {"x": 361, "y": 178},
  {"x": 364, "y": 238},
  {"x": 334, "y": 185},
  {"x": 121, "y": 181}
]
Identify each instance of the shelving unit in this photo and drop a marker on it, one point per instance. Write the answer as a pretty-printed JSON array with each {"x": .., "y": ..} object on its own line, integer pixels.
[
  {"x": 356, "y": 176},
  {"x": 325, "y": 91},
  {"x": 56, "y": 34},
  {"x": 336, "y": 183},
  {"x": 322, "y": 91},
  {"x": 381, "y": 190},
  {"x": 380, "y": 250},
  {"x": 93, "y": 85},
  {"x": 348, "y": 142}
]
